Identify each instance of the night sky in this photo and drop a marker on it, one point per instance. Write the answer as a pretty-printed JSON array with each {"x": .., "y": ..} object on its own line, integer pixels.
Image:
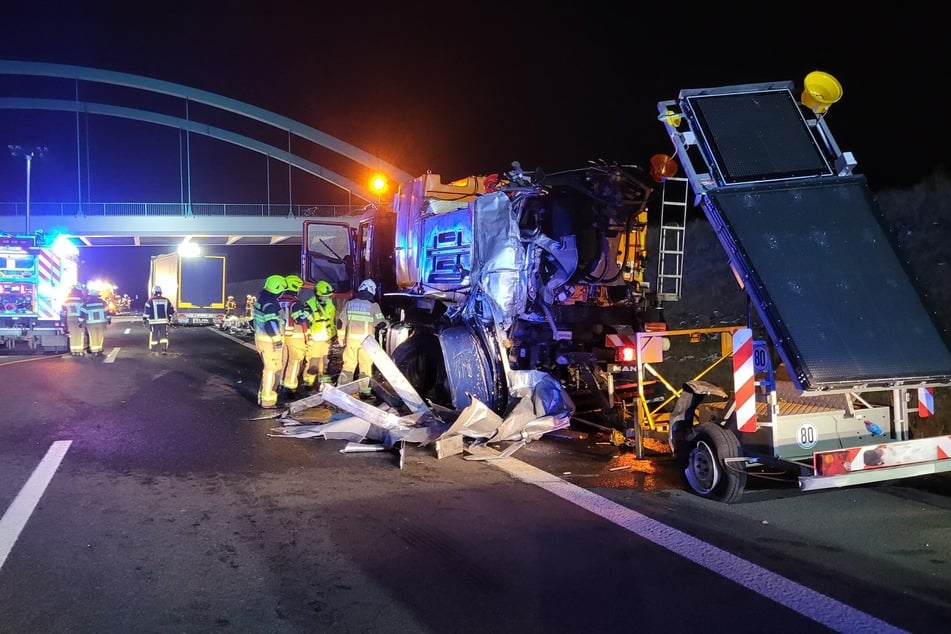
[{"x": 466, "y": 88}]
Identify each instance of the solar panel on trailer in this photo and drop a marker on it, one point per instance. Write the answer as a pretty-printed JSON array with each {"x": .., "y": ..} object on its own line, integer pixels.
[
  {"x": 758, "y": 136},
  {"x": 831, "y": 286}
]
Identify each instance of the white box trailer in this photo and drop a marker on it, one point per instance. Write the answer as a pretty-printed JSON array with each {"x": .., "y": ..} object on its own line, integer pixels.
[{"x": 194, "y": 284}]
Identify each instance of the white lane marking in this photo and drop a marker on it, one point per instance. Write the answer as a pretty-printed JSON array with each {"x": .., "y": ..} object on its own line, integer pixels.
[
  {"x": 126, "y": 331},
  {"x": 19, "y": 511},
  {"x": 811, "y": 604},
  {"x": 111, "y": 357},
  {"x": 41, "y": 358}
]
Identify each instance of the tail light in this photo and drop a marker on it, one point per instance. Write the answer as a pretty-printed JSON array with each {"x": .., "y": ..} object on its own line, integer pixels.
[{"x": 625, "y": 354}]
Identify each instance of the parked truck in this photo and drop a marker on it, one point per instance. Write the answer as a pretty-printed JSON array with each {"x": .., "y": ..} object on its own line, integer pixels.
[
  {"x": 194, "y": 284},
  {"x": 487, "y": 275},
  {"x": 36, "y": 274}
]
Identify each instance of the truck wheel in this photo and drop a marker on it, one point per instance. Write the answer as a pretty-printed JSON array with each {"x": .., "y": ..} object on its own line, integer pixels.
[
  {"x": 420, "y": 360},
  {"x": 705, "y": 468}
]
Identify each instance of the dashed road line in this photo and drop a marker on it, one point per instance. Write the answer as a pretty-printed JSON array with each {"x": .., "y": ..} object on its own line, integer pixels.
[{"x": 19, "y": 511}]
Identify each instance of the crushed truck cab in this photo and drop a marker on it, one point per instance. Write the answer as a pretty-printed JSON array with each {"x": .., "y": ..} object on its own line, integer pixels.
[{"x": 486, "y": 280}]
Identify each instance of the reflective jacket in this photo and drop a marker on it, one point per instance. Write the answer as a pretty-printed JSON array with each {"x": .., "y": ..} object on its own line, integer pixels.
[
  {"x": 94, "y": 310},
  {"x": 323, "y": 327},
  {"x": 360, "y": 318},
  {"x": 268, "y": 322},
  {"x": 73, "y": 306},
  {"x": 296, "y": 313},
  {"x": 158, "y": 309}
]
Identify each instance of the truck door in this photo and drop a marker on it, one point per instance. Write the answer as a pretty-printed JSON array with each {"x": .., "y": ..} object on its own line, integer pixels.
[{"x": 330, "y": 254}]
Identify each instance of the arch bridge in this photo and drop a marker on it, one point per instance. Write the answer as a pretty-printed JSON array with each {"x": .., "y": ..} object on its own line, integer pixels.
[{"x": 87, "y": 96}]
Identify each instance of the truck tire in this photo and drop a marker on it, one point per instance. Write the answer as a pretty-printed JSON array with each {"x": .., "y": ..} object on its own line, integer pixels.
[
  {"x": 420, "y": 360},
  {"x": 705, "y": 466}
]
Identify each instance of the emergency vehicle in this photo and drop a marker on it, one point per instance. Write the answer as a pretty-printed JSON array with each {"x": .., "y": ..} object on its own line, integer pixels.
[
  {"x": 36, "y": 274},
  {"x": 487, "y": 276}
]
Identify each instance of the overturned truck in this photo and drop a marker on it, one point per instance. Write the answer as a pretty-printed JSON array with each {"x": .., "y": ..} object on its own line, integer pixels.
[{"x": 485, "y": 277}]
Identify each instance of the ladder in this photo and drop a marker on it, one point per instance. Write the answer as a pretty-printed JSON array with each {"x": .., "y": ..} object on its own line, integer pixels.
[{"x": 673, "y": 221}]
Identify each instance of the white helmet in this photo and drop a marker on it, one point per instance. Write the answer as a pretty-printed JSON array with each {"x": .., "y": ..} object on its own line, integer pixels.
[
  {"x": 369, "y": 286},
  {"x": 157, "y": 290}
]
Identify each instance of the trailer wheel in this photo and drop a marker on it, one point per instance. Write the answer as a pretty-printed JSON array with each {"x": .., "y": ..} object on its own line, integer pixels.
[{"x": 705, "y": 468}]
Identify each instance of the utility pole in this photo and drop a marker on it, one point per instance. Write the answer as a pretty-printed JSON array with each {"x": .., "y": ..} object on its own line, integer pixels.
[{"x": 29, "y": 155}]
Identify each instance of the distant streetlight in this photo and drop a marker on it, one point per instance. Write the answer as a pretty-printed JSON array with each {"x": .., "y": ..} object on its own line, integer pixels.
[{"x": 29, "y": 155}]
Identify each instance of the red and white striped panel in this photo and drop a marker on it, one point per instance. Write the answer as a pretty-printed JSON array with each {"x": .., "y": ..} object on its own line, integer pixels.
[
  {"x": 925, "y": 402},
  {"x": 619, "y": 341},
  {"x": 744, "y": 383},
  {"x": 49, "y": 275}
]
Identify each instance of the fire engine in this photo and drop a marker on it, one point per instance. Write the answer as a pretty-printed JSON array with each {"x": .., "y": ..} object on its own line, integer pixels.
[
  {"x": 487, "y": 275},
  {"x": 36, "y": 274}
]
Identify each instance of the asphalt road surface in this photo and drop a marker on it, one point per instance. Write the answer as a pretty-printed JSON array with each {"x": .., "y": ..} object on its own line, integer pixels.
[{"x": 146, "y": 493}]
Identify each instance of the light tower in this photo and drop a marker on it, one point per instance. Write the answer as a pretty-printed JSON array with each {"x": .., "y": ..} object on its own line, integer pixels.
[{"x": 29, "y": 155}]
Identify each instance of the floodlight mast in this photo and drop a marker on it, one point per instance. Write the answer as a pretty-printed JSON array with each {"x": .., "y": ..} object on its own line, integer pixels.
[{"x": 29, "y": 155}]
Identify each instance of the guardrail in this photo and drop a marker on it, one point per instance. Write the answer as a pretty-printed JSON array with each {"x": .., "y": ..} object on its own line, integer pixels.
[{"x": 74, "y": 209}]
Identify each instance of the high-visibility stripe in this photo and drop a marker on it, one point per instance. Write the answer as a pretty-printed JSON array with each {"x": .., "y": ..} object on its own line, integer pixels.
[
  {"x": 744, "y": 385},
  {"x": 925, "y": 401}
]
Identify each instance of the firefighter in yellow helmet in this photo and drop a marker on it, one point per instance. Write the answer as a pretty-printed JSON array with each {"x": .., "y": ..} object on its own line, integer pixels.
[
  {"x": 359, "y": 319},
  {"x": 249, "y": 305},
  {"x": 230, "y": 306},
  {"x": 72, "y": 312},
  {"x": 296, "y": 326},
  {"x": 323, "y": 330},
  {"x": 269, "y": 338}
]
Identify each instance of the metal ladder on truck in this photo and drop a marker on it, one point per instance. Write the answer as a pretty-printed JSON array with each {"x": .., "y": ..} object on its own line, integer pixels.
[{"x": 673, "y": 223}]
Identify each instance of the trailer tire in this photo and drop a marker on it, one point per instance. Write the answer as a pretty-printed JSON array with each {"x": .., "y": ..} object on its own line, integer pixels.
[{"x": 705, "y": 466}]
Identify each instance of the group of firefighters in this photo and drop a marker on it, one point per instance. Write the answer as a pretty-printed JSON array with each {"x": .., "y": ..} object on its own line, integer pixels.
[
  {"x": 294, "y": 336},
  {"x": 86, "y": 320},
  {"x": 87, "y": 315}
]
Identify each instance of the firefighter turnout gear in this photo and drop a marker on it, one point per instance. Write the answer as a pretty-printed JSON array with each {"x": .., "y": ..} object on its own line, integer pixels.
[
  {"x": 269, "y": 339},
  {"x": 296, "y": 326},
  {"x": 323, "y": 330},
  {"x": 72, "y": 311},
  {"x": 231, "y": 306},
  {"x": 360, "y": 318},
  {"x": 157, "y": 315},
  {"x": 249, "y": 305},
  {"x": 95, "y": 318}
]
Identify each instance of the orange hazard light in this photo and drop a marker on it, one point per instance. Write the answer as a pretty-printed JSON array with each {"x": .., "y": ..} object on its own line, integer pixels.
[{"x": 663, "y": 166}]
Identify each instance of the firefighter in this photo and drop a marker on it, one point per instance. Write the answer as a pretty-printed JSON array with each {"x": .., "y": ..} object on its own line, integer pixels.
[
  {"x": 249, "y": 306},
  {"x": 361, "y": 316},
  {"x": 231, "y": 306},
  {"x": 157, "y": 315},
  {"x": 323, "y": 330},
  {"x": 95, "y": 319},
  {"x": 72, "y": 311},
  {"x": 297, "y": 318},
  {"x": 269, "y": 338}
]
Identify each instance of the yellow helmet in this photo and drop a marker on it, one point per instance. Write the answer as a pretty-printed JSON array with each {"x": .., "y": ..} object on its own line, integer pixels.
[
  {"x": 294, "y": 283},
  {"x": 275, "y": 284},
  {"x": 323, "y": 289}
]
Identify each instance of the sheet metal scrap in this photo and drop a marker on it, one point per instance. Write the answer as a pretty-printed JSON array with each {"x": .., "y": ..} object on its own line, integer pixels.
[{"x": 422, "y": 425}]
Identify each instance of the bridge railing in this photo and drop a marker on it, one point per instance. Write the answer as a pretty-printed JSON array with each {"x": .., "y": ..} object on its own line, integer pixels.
[{"x": 74, "y": 209}]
